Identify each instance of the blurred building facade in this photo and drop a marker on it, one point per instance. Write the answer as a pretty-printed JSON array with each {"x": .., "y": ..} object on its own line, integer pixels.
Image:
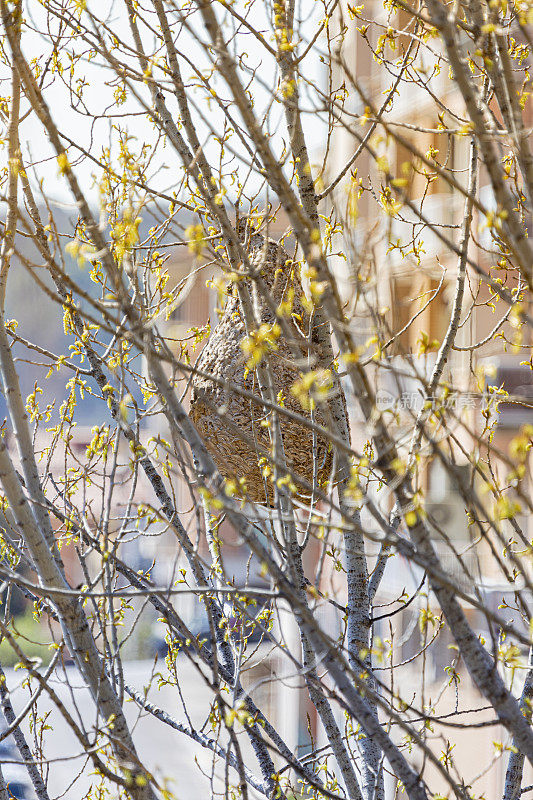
[{"x": 407, "y": 272}]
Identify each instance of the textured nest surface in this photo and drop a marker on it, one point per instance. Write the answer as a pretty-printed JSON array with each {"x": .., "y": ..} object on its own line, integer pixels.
[{"x": 223, "y": 358}]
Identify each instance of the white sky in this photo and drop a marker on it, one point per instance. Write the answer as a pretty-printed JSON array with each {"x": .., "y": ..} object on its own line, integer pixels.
[{"x": 98, "y": 96}]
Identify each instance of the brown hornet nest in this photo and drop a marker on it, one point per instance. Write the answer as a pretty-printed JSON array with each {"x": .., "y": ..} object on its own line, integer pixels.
[{"x": 223, "y": 357}]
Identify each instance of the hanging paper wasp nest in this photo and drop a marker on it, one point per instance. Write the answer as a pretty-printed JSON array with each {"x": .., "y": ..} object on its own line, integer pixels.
[{"x": 235, "y": 427}]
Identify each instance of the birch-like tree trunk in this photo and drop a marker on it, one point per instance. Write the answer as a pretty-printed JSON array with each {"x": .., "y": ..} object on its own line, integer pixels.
[{"x": 354, "y": 185}]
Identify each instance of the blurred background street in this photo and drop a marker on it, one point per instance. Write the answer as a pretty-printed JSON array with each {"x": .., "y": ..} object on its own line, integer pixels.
[{"x": 171, "y": 756}]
